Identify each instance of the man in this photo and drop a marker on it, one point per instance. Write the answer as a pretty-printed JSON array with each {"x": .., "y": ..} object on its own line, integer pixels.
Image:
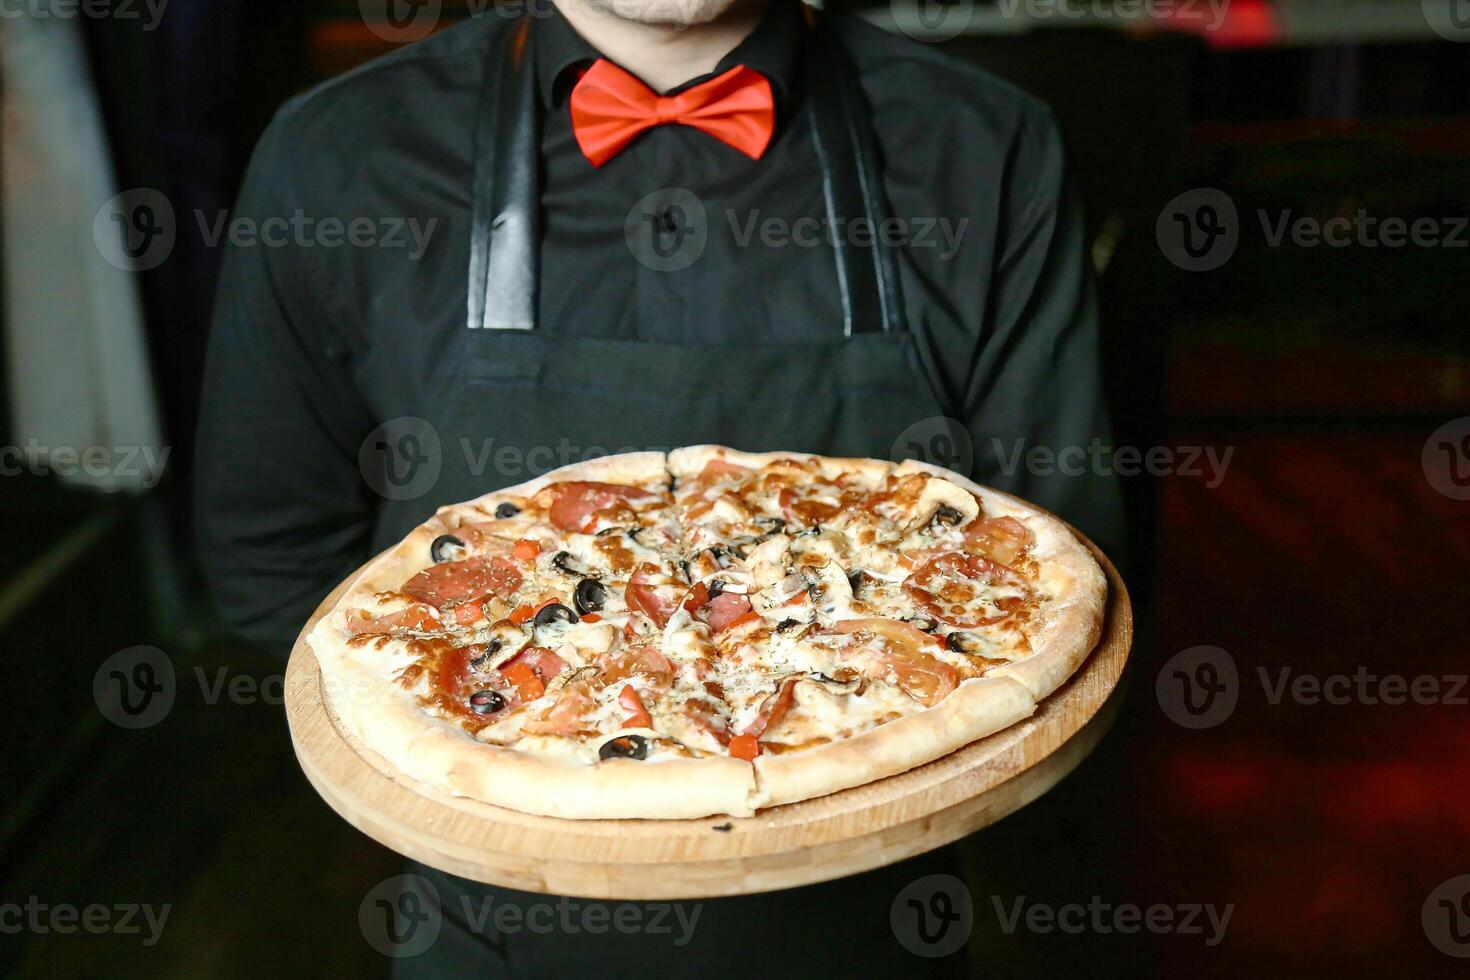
[{"x": 653, "y": 224}]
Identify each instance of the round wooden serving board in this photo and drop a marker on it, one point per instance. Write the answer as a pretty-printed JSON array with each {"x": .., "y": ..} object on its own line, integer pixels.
[{"x": 797, "y": 844}]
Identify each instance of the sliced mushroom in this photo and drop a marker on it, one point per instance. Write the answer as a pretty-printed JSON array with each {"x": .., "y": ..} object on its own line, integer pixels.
[
  {"x": 830, "y": 590},
  {"x": 568, "y": 677},
  {"x": 944, "y": 502},
  {"x": 504, "y": 641}
]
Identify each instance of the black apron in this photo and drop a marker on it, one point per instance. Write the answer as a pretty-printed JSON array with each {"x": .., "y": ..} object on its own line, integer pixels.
[{"x": 849, "y": 395}]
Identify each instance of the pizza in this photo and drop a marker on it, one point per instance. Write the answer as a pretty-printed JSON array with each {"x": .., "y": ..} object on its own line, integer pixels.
[{"x": 704, "y": 632}]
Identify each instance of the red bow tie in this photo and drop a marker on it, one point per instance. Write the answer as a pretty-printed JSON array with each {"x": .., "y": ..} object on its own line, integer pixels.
[{"x": 610, "y": 107}]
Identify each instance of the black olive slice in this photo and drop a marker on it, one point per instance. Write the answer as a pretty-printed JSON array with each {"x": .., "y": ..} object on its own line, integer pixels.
[
  {"x": 486, "y": 702},
  {"x": 609, "y": 530},
  {"x": 947, "y": 516},
  {"x": 589, "y": 596},
  {"x": 439, "y": 550},
  {"x": 552, "y": 613},
  {"x": 771, "y": 524},
  {"x": 563, "y": 561},
  {"x": 716, "y": 587},
  {"x": 785, "y": 625},
  {"x": 506, "y": 511},
  {"x": 624, "y": 747},
  {"x": 814, "y": 529},
  {"x": 855, "y": 579},
  {"x": 491, "y": 649},
  {"x": 960, "y": 642}
]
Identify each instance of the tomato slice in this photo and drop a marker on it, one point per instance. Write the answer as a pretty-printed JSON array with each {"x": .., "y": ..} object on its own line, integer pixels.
[
  {"x": 528, "y": 686},
  {"x": 524, "y": 614},
  {"x": 541, "y": 660},
  {"x": 637, "y": 714},
  {"x": 773, "y": 708},
  {"x": 698, "y": 598},
  {"x": 745, "y": 747}
]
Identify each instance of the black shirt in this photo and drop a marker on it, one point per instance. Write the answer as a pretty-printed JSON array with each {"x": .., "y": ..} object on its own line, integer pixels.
[{"x": 347, "y": 308}]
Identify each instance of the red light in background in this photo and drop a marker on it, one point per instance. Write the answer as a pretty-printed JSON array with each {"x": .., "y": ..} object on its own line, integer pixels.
[{"x": 1238, "y": 24}]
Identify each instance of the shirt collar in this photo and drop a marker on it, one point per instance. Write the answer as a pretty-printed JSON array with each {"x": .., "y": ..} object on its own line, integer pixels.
[{"x": 773, "y": 49}]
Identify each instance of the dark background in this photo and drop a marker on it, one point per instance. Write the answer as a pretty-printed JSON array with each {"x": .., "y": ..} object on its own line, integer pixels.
[{"x": 1326, "y": 549}]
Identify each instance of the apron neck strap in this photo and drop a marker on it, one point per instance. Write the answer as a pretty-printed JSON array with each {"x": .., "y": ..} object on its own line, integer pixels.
[
  {"x": 505, "y": 227},
  {"x": 852, "y": 183}
]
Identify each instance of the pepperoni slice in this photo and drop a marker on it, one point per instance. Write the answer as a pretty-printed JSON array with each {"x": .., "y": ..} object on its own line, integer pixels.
[
  {"x": 415, "y": 617},
  {"x": 807, "y": 513},
  {"x": 1001, "y": 539},
  {"x": 946, "y": 583},
  {"x": 455, "y": 581},
  {"x": 719, "y": 468},
  {"x": 902, "y": 659},
  {"x": 707, "y": 718},
  {"x": 636, "y": 715},
  {"x": 579, "y": 506},
  {"x": 652, "y": 593},
  {"x": 725, "y": 609},
  {"x": 640, "y": 659},
  {"x": 569, "y": 716}
]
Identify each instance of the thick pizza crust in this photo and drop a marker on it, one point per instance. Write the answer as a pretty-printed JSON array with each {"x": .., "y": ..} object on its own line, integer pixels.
[
  {"x": 978, "y": 707},
  {"x": 370, "y": 706}
]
